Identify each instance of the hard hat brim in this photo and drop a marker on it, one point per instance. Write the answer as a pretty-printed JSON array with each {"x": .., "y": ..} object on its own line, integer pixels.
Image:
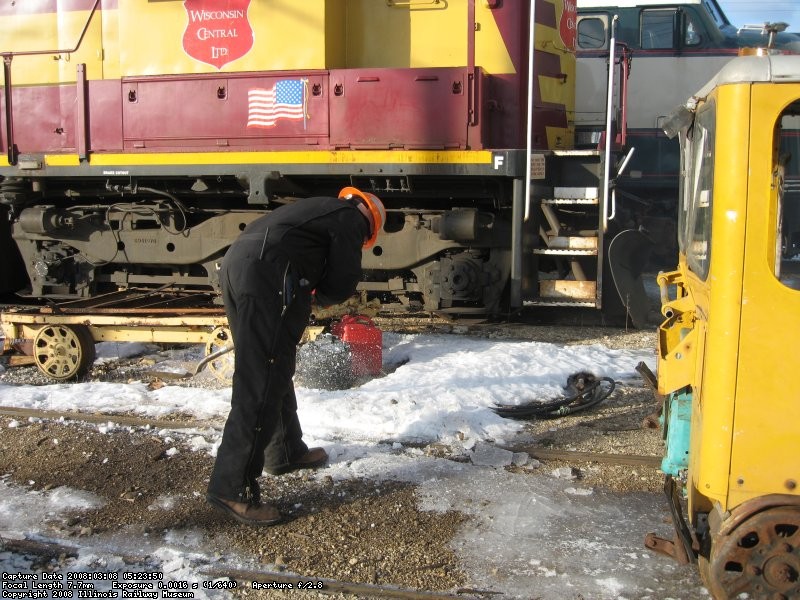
[{"x": 369, "y": 201}]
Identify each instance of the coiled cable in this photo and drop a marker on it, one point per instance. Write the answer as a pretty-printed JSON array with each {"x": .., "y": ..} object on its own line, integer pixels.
[{"x": 588, "y": 396}]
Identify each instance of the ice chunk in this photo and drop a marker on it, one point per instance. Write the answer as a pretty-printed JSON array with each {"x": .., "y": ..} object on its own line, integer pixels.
[{"x": 487, "y": 455}]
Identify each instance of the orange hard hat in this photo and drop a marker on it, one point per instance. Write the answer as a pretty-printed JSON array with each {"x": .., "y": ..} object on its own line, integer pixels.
[{"x": 371, "y": 207}]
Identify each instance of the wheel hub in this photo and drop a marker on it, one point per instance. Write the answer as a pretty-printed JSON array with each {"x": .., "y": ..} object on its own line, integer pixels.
[
  {"x": 63, "y": 352},
  {"x": 781, "y": 571}
]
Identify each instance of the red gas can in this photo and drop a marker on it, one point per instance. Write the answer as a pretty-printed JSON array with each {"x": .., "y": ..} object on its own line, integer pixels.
[{"x": 365, "y": 341}]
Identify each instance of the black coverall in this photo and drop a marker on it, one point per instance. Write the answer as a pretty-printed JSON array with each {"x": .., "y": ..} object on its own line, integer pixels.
[{"x": 267, "y": 277}]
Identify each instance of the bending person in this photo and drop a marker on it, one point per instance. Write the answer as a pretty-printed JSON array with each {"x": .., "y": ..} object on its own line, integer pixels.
[{"x": 267, "y": 278}]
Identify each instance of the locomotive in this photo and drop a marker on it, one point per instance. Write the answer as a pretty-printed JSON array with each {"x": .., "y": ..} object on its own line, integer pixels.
[
  {"x": 139, "y": 139},
  {"x": 673, "y": 49}
]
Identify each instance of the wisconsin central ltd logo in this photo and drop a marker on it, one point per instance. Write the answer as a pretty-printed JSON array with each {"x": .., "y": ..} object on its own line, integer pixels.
[
  {"x": 568, "y": 25},
  {"x": 218, "y": 31}
]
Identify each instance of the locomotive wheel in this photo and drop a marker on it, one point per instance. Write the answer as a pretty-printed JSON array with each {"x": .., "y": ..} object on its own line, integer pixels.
[
  {"x": 63, "y": 351},
  {"x": 761, "y": 556},
  {"x": 222, "y": 367}
]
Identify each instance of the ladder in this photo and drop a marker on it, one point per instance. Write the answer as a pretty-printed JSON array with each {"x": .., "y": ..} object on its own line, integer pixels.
[{"x": 566, "y": 234}]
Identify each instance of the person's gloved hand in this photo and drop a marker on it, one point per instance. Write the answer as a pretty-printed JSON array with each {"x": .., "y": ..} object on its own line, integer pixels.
[{"x": 314, "y": 301}]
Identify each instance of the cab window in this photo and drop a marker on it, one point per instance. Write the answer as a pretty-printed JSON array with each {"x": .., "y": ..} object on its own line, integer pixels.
[
  {"x": 592, "y": 33},
  {"x": 691, "y": 32},
  {"x": 786, "y": 190},
  {"x": 700, "y": 192},
  {"x": 658, "y": 29}
]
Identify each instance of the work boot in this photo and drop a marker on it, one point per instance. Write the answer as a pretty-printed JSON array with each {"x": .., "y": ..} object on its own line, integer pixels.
[
  {"x": 248, "y": 513},
  {"x": 310, "y": 459}
]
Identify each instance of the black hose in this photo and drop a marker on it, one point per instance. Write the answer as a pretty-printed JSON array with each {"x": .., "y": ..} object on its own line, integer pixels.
[{"x": 592, "y": 395}]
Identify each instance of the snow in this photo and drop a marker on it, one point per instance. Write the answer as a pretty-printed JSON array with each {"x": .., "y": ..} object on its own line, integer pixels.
[{"x": 533, "y": 534}]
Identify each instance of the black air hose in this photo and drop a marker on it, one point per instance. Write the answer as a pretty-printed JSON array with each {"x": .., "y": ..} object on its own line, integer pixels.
[{"x": 587, "y": 397}]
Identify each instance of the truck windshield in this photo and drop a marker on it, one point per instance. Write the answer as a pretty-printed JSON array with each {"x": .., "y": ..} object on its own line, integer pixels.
[
  {"x": 699, "y": 192},
  {"x": 786, "y": 183}
]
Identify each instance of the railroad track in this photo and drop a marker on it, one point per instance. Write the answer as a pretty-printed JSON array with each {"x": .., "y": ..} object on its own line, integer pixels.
[
  {"x": 208, "y": 570},
  {"x": 249, "y": 578},
  {"x": 537, "y": 452},
  {"x": 130, "y": 420},
  {"x": 633, "y": 460}
]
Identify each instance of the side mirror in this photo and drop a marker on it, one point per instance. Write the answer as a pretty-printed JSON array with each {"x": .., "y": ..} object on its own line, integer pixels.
[{"x": 678, "y": 120}]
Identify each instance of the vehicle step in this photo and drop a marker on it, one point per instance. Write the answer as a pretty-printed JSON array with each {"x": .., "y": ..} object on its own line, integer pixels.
[
  {"x": 570, "y": 201},
  {"x": 576, "y": 193},
  {"x": 567, "y": 289},
  {"x": 550, "y": 302},
  {"x": 573, "y": 242},
  {"x": 564, "y": 252}
]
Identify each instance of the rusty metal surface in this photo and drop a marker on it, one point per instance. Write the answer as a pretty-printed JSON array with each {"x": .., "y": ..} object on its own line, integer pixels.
[
  {"x": 745, "y": 510},
  {"x": 760, "y": 556},
  {"x": 137, "y": 301},
  {"x": 133, "y": 306},
  {"x": 672, "y": 548},
  {"x": 684, "y": 546}
]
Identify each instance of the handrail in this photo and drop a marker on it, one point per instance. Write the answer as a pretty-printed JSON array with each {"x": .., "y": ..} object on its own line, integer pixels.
[
  {"x": 529, "y": 135},
  {"x": 609, "y": 109},
  {"x": 414, "y": 3},
  {"x": 7, "y": 57}
]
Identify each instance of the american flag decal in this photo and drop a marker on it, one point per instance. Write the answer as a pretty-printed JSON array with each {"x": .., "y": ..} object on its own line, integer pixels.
[{"x": 285, "y": 100}]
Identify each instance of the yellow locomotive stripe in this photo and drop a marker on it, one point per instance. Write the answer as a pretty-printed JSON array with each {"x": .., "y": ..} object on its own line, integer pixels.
[
  {"x": 277, "y": 157},
  {"x": 286, "y": 37}
]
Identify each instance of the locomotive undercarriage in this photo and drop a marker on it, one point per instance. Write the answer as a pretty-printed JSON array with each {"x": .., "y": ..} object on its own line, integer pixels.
[{"x": 106, "y": 236}]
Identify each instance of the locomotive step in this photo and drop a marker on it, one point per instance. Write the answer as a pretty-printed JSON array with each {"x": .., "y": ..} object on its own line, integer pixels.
[
  {"x": 565, "y": 251},
  {"x": 570, "y": 201},
  {"x": 575, "y": 243},
  {"x": 563, "y": 303},
  {"x": 576, "y": 193},
  {"x": 560, "y": 290}
]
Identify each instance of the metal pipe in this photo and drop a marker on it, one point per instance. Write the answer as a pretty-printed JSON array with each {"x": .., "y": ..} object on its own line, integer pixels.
[
  {"x": 70, "y": 51},
  {"x": 529, "y": 136},
  {"x": 623, "y": 93},
  {"x": 212, "y": 357},
  {"x": 81, "y": 114},
  {"x": 518, "y": 188},
  {"x": 609, "y": 109},
  {"x": 12, "y": 151},
  {"x": 614, "y": 191},
  {"x": 471, "y": 36}
]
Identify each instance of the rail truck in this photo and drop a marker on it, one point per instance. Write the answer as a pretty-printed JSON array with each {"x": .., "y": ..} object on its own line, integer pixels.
[{"x": 727, "y": 343}]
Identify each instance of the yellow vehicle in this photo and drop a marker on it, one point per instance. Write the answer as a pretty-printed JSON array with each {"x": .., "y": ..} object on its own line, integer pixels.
[{"x": 729, "y": 339}]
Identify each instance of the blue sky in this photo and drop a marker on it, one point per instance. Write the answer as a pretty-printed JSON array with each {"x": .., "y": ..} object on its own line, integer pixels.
[{"x": 742, "y": 12}]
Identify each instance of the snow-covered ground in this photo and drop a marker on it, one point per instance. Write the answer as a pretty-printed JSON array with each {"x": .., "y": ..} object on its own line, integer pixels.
[{"x": 535, "y": 535}]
